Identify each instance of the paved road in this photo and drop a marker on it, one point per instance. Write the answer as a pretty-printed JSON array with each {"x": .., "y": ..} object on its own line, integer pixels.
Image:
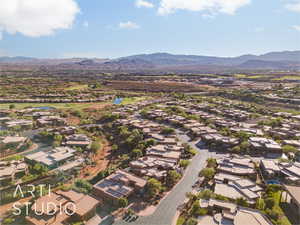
[{"x": 167, "y": 208}]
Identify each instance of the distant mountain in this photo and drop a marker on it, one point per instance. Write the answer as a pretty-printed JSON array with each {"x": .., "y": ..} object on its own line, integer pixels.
[
  {"x": 272, "y": 60},
  {"x": 37, "y": 61},
  {"x": 285, "y": 60},
  {"x": 16, "y": 59},
  {"x": 263, "y": 64}
]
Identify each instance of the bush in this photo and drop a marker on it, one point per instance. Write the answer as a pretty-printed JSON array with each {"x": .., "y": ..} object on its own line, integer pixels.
[
  {"x": 83, "y": 186},
  {"x": 289, "y": 148},
  {"x": 206, "y": 194},
  {"x": 173, "y": 177},
  {"x": 192, "y": 221},
  {"x": 122, "y": 202},
  {"x": 95, "y": 146},
  {"x": 208, "y": 173},
  {"x": 195, "y": 208},
  {"x": 260, "y": 204},
  {"x": 242, "y": 202},
  {"x": 153, "y": 187},
  {"x": 211, "y": 162},
  {"x": 180, "y": 220},
  {"x": 8, "y": 221},
  {"x": 12, "y": 106},
  {"x": 184, "y": 163},
  {"x": 275, "y": 213},
  {"x": 136, "y": 153},
  {"x": 202, "y": 212},
  {"x": 270, "y": 202},
  {"x": 168, "y": 130}
]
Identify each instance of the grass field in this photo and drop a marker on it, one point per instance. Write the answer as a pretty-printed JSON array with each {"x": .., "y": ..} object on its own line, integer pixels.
[
  {"x": 288, "y": 78},
  {"x": 132, "y": 100},
  {"x": 77, "y": 87}
]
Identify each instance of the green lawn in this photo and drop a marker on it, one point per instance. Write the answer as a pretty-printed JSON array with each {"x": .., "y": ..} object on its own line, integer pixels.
[
  {"x": 284, "y": 220},
  {"x": 77, "y": 87},
  {"x": 132, "y": 100},
  {"x": 288, "y": 78}
]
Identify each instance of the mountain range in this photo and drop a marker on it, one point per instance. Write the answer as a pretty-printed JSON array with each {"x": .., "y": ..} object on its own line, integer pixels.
[{"x": 285, "y": 60}]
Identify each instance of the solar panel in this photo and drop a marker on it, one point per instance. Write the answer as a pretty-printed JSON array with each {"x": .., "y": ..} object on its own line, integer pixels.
[
  {"x": 123, "y": 190},
  {"x": 114, "y": 193}
]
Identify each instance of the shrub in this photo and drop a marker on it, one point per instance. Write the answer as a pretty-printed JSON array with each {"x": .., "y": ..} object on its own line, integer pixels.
[
  {"x": 83, "y": 186},
  {"x": 208, "y": 173},
  {"x": 192, "y": 221},
  {"x": 168, "y": 130},
  {"x": 95, "y": 146},
  {"x": 202, "y": 212},
  {"x": 173, "y": 177},
  {"x": 122, "y": 202},
  {"x": 153, "y": 187},
  {"x": 184, "y": 163},
  {"x": 270, "y": 202}
]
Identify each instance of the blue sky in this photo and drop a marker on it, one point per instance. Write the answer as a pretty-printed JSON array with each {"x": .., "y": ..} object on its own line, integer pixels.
[{"x": 114, "y": 28}]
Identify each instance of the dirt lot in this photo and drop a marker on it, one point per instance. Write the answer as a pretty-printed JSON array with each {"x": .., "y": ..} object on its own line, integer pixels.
[{"x": 102, "y": 160}]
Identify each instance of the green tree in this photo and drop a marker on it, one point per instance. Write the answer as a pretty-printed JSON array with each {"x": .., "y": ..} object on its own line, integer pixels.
[
  {"x": 242, "y": 202},
  {"x": 206, "y": 194},
  {"x": 211, "y": 162},
  {"x": 136, "y": 153},
  {"x": 95, "y": 146},
  {"x": 270, "y": 202},
  {"x": 40, "y": 169},
  {"x": 173, "y": 177},
  {"x": 208, "y": 173},
  {"x": 8, "y": 221},
  {"x": 195, "y": 208},
  {"x": 289, "y": 148},
  {"x": 153, "y": 187},
  {"x": 192, "y": 221},
  {"x": 168, "y": 130},
  {"x": 122, "y": 202},
  {"x": 260, "y": 204},
  {"x": 83, "y": 186},
  {"x": 184, "y": 163},
  {"x": 12, "y": 106}
]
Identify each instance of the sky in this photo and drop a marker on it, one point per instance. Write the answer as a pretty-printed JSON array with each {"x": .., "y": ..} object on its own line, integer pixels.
[{"x": 116, "y": 28}]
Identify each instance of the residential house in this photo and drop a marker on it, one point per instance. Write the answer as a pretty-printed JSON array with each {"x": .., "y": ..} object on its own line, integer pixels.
[
  {"x": 75, "y": 207},
  {"x": 52, "y": 159},
  {"x": 120, "y": 184}
]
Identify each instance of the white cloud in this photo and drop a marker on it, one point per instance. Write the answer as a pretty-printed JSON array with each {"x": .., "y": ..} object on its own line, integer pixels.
[
  {"x": 295, "y": 6},
  {"x": 128, "y": 25},
  {"x": 210, "y": 6},
  {"x": 37, "y": 18},
  {"x": 86, "y": 24},
  {"x": 1, "y": 35},
  {"x": 143, "y": 3},
  {"x": 296, "y": 27}
]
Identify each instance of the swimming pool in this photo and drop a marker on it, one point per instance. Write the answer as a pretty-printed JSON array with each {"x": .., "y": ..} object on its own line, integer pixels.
[{"x": 272, "y": 182}]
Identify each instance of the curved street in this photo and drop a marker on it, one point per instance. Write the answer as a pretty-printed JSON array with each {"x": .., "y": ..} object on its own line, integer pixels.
[{"x": 167, "y": 208}]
